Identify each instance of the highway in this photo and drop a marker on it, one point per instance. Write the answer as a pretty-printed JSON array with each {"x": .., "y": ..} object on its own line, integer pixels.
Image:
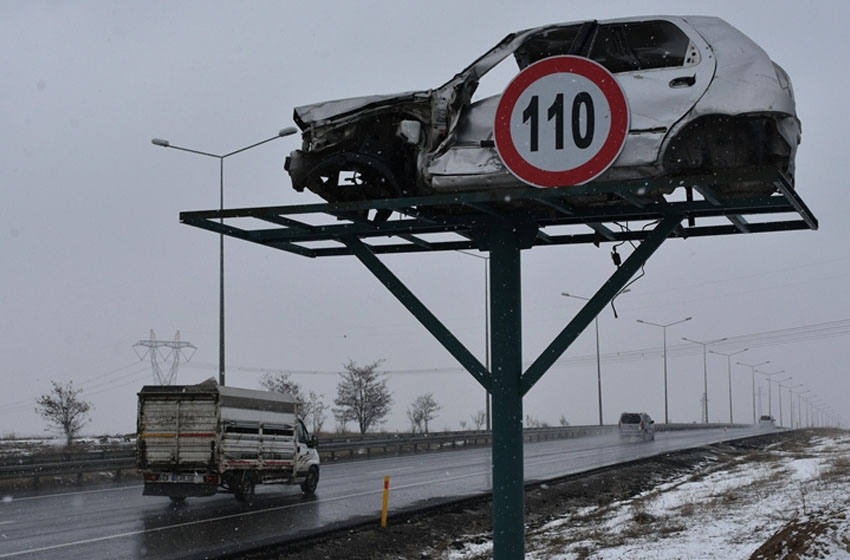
[{"x": 118, "y": 522}]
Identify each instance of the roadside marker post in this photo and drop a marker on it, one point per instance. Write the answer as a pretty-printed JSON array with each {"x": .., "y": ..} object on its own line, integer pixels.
[{"x": 386, "y": 501}]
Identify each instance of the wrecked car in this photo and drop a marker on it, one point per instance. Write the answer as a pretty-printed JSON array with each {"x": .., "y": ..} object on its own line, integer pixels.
[{"x": 703, "y": 98}]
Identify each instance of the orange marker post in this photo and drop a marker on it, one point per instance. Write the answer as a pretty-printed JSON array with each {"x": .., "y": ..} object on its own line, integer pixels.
[{"x": 386, "y": 501}]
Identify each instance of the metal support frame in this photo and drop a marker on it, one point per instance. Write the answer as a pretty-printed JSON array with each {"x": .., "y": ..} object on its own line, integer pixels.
[{"x": 504, "y": 223}]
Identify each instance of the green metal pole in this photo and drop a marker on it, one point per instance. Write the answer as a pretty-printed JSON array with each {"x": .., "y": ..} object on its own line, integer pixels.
[{"x": 506, "y": 389}]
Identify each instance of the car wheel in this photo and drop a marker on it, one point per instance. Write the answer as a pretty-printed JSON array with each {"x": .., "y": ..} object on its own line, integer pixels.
[
  {"x": 350, "y": 176},
  {"x": 177, "y": 499},
  {"x": 311, "y": 481}
]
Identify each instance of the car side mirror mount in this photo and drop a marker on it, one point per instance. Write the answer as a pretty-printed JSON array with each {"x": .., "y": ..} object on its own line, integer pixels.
[{"x": 313, "y": 442}]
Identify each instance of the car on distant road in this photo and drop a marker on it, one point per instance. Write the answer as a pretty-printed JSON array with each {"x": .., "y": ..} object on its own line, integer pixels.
[
  {"x": 703, "y": 98},
  {"x": 767, "y": 422},
  {"x": 636, "y": 425}
]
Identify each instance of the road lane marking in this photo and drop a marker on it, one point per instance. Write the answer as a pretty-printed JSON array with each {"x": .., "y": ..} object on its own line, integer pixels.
[
  {"x": 390, "y": 470},
  {"x": 62, "y": 494}
]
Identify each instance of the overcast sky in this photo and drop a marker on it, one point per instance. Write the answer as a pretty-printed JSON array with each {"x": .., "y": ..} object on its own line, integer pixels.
[{"x": 92, "y": 254}]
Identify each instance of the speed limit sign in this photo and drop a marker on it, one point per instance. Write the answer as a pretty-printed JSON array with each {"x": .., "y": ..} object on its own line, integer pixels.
[{"x": 562, "y": 121}]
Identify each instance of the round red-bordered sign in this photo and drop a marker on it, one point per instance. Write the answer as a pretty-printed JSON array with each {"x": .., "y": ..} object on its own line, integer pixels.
[{"x": 561, "y": 121}]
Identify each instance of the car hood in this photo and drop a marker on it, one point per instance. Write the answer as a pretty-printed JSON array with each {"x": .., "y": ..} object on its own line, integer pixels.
[{"x": 307, "y": 115}]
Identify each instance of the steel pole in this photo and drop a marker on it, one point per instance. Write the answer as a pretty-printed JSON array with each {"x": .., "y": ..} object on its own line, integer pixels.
[
  {"x": 221, "y": 277},
  {"x": 769, "y": 397},
  {"x": 487, "y": 338},
  {"x": 753, "y": 373},
  {"x": 598, "y": 371},
  {"x": 664, "y": 328},
  {"x": 729, "y": 369},
  {"x": 705, "y": 380},
  {"x": 666, "y": 415},
  {"x": 506, "y": 346}
]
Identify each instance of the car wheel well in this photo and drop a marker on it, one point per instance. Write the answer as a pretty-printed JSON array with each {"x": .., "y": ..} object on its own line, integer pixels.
[{"x": 718, "y": 143}]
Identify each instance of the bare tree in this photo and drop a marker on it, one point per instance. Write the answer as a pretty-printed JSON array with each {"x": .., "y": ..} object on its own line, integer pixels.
[
  {"x": 415, "y": 420},
  {"x": 422, "y": 411},
  {"x": 318, "y": 411},
  {"x": 341, "y": 420},
  {"x": 531, "y": 422},
  {"x": 64, "y": 409},
  {"x": 479, "y": 419},
  {"x": 362, "y": 396},
  {"x": 563, "y": 421},
  {"x": 310, "y": 406}
]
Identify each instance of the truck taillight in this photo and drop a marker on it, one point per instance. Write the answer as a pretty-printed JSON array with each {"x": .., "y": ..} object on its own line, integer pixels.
[
  {"x": 150, "y": 476},
  {"x": 211, "y": 479}
]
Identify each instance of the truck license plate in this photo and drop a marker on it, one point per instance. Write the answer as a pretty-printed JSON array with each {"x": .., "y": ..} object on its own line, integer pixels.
[{"x": 182, "y": 478}]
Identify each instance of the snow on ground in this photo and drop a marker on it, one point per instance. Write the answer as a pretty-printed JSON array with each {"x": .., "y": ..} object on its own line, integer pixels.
[{"x": 792, "y": 504}]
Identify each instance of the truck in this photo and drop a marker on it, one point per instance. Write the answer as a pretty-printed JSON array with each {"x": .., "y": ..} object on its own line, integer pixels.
[{"x": 196, "y": 440}]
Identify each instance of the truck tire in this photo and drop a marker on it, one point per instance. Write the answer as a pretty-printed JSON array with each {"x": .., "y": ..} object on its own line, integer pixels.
[
  {"x": 244, "y": 489},
  {"x": 311, "y": 481}
]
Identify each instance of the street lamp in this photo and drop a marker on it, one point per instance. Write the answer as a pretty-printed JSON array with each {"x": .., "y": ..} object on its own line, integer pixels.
[
  {"x": 486, "y": 328},
  {"x": 791, "y": 394},
  {"x": 779, "y": 390},
  {"x": 770, "y": 389},
  {"x": 598, "y": 360},
  {"x": 288, "y": 131},
  {"x": 705, "y": 346},
  {"x": 664, "y": 328},
  {"x": 729, "y": 369},
  {"x": 753, "y": 373}
]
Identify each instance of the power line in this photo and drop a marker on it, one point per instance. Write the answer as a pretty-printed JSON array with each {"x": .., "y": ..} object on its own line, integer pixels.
[{"x": 760, "y": 339}]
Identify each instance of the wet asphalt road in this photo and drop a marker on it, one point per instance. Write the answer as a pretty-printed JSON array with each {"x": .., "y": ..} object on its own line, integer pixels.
[{"x": 118, "y": 522}]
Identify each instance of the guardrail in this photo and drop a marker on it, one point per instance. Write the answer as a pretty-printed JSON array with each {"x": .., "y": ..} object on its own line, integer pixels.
[
  {"x": 123, "y": 457},
  {"x": 352, "y": 448},
  {"x": 65, "y": 465}
]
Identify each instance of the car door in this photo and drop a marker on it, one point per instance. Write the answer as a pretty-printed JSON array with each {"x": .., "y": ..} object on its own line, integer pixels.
[
  {"x": 302, "y": 449},
  {"x": 664, "y": 66}
]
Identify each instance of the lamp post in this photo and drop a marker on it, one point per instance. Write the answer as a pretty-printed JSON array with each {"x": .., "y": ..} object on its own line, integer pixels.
[
  {"x": 288, "y": 131},
  {"x": 664, "y": 328},
  {"x": 779, "y": 390},
  {"x": 486, "y": 328},
  {"x": 770, "y": 389},
  {"x": 598, "y": 359},
  {"x": 705, "y": 346},
  {"x": 799, "y": 408},
  {"x": 729, "y": 369},
  {"x": 753, "y": 373}
]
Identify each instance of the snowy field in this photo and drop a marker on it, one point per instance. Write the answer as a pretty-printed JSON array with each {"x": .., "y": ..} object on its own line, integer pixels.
[{"x": 776, "y": 503}]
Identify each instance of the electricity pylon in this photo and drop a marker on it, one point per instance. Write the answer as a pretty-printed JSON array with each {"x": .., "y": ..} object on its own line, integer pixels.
[{"x": 176, "y": 351}]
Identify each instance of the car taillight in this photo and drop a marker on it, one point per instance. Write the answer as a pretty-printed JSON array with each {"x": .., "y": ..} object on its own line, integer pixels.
[{"x": 642, "y": 425}]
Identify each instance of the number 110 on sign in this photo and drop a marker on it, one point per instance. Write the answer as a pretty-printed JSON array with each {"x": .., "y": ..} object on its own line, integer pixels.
[
  {"x": 560, "y": 122},
  {"x": 582, "y": 105}
]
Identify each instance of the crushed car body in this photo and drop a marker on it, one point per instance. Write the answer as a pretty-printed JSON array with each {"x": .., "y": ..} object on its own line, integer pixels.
[{"x": 703, "y": 98}]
